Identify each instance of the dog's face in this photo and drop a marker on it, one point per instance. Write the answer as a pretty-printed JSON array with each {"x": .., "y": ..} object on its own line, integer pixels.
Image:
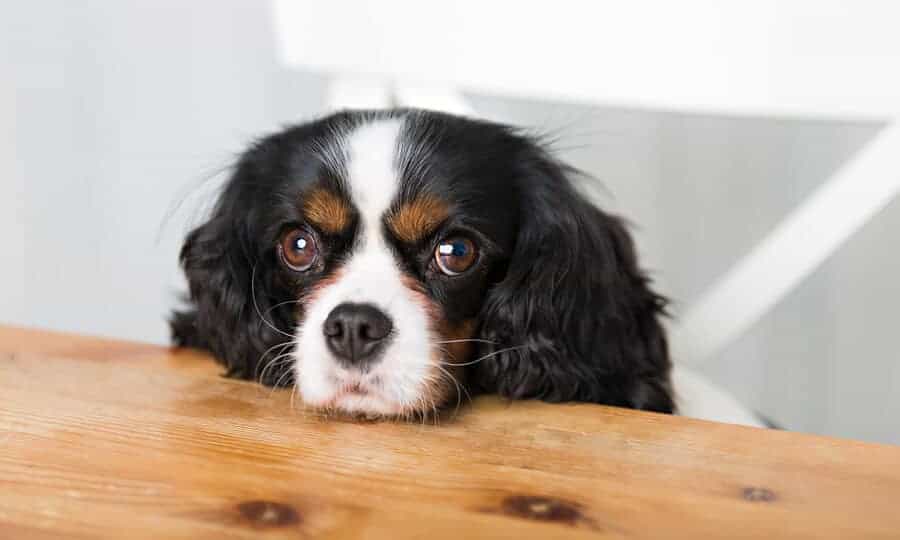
[
  {"x": 381, "y": 261},
  {"x": 388, "y": 250}
]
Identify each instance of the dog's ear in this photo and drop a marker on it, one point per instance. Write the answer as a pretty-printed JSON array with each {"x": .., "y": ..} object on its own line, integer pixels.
[
  {"x": 229, "y": 291},
  {"x": 574, "y": 318}
]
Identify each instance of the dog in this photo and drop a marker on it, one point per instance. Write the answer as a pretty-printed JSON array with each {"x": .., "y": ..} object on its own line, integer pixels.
[{"x": 385, "y": 263}]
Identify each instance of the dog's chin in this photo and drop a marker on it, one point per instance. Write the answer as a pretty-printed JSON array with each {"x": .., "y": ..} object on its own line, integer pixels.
[
  {"x": 365, "y": 404},
  {"x": 366, "y": 408},
  {"x": 399, "y": 387},
  {"x": 359, "y": 401}
]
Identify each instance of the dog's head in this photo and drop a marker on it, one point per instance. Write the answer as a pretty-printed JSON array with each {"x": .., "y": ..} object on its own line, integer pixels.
[{"x": 379, "y": 260}]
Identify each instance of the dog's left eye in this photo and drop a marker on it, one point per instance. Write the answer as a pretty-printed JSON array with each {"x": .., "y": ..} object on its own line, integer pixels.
[
  {"x": 297, "y": 249},
  {"x": 455, "y": 255}
]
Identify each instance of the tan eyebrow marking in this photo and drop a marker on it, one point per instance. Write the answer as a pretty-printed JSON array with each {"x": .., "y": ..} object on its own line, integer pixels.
[
  {"x": 327, "y": 211},
  {"x": 418, "y": 218}
]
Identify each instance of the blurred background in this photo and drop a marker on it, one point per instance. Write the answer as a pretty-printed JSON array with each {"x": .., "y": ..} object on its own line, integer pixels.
[{"x": 751, "y": 146}]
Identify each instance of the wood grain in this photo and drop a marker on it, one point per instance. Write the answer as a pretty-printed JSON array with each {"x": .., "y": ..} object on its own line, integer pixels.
[{"x": 110, "y": 439}]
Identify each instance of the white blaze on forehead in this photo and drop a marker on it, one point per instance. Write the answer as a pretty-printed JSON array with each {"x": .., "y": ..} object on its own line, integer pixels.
[
  {"x": 371, "y": 173},
  {"x": 370, "y": 275}
]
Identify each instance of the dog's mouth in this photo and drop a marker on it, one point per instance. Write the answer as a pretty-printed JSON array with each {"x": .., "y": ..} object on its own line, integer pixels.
[
  {"x": 358, "y": 396},
  {"x": 382, "y": 394},
  {"x": 353, "y": 389},
  {"x": 355, "y": 384}
]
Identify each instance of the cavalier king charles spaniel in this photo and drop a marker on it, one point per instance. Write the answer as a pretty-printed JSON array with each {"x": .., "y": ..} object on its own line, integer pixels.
[{"x": 386, "y": 262}]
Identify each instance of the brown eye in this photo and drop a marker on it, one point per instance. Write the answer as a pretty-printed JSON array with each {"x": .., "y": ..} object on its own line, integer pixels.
[
  {"x": 298, "y": 249},
  {"x": 455, "y": 255}
]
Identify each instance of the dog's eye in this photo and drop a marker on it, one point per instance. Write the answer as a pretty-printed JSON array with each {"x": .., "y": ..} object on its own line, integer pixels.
[
  {"x": 298, "y": 249},
  {"x": 455, "y": 255}
]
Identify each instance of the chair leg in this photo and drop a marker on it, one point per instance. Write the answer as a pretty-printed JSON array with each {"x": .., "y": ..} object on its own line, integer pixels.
[{"x": 792, "y": 251}]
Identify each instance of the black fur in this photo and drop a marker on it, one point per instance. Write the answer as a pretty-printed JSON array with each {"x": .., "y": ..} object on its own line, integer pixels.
[
  {"x": 574, "y": 319},
  {"x": 559, "y": 293},
  {"x": 229, "y": 272}
]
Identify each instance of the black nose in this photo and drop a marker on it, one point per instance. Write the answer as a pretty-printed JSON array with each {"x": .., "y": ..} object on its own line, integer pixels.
[{"x": 356, "y": 333}]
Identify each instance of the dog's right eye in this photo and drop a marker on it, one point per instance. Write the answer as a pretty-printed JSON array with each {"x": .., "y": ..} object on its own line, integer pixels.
[{"x": 298, "y": 250}]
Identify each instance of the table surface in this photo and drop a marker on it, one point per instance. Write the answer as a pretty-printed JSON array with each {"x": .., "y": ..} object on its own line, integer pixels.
[{"x": 102, "y": 438}]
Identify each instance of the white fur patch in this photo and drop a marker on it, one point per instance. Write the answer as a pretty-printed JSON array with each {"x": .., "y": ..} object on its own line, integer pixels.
[{"x": 371, "y": 275}]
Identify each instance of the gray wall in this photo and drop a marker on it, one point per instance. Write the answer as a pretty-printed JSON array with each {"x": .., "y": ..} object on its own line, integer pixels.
[
  {"x": 121, "y": 111},
  {"x": 115, "y": 118}
]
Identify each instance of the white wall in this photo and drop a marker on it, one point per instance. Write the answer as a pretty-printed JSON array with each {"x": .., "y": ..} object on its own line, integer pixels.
[
  {"x": 12, "y": 214},
  {"x": 120, "y": 110}
]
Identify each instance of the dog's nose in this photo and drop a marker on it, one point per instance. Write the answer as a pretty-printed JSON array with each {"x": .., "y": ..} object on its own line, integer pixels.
[{"x": 356, "y": 333}]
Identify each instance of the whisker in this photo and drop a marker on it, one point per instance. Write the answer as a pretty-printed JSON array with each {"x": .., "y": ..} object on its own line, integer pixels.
[
  {"x": 293, "y": 393},
  {"x": 447, "y": 352},
  {"x": 421, "y": 406},
  {"x": 256, "y": 305},
  {"x": 263, "y": 356},
  {"x": 436, "y": 380},
  {"x": 495, "y": 353},
  {"x": 275, "y": 362},
  {"x": 279, "y": 360},
  {"x": 277, "y": 385},
  {"x": 469, "y": 340},
  {"x": 279, "y": 304},
  {"x": 430, "y": 382},
  {"x": 459, "y": 389}
]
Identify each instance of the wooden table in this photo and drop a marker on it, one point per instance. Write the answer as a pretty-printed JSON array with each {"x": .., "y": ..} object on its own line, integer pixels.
[{"x": 113, "y": 439}]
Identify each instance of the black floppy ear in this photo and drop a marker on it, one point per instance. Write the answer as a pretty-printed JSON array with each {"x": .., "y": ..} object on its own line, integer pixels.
[
  {"x": 228, "y": 293},
  {"x": 574, "y": 318}
]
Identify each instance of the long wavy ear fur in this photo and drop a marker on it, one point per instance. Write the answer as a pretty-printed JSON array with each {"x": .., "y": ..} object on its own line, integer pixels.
[
  {"x": 223, "y": 316},
  {"x": 574, "y": 318}
]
